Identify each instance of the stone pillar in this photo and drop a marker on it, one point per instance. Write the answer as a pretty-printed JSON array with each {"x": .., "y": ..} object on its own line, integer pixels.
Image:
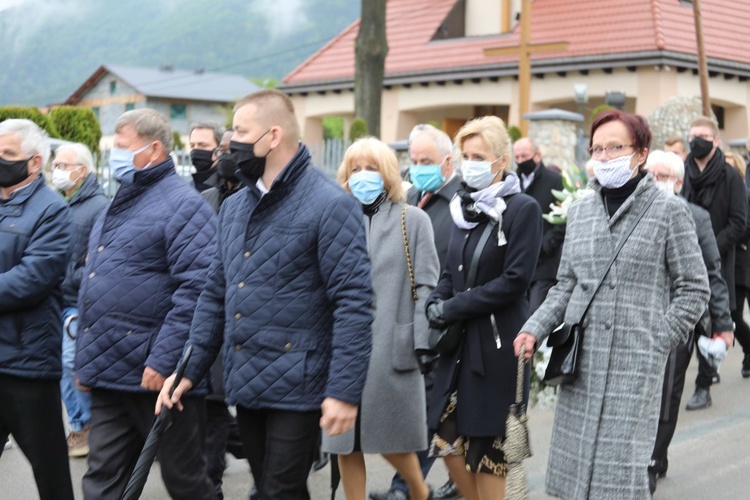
[{"x": 556, "y": 132}]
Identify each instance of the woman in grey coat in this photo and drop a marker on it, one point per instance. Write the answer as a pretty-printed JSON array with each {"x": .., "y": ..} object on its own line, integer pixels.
[
  {"x": 392, "y": 419},
  {"x": 606, "y": 420}
]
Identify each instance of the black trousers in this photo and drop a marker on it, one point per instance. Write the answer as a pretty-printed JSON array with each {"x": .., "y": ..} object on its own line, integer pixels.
[
  {"x": 280, "y": 446},
  {"x": 538, "y": 292},
  {"x": 31, "y": 411},
  {"x": 741, "y": 329},
  {"x": 674, "y": 384},
  {"x": 120, "y": 422},
  {"x": 222, "y": 436}
]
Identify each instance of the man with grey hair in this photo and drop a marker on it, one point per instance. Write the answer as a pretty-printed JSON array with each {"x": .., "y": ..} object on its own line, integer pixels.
[
  {"x": 204, "y": 140},
  {"x": 148, "y": 258},
  {"x": 35, "y": 236},
  {"x": 668, "y": 172},
  {"x": 73, "y": 176}
]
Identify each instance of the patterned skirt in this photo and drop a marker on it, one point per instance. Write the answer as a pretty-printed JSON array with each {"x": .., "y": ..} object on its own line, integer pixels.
[{"x": 482, "y": 454}]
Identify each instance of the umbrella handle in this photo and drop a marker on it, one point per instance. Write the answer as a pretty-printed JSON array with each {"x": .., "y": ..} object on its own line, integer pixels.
[{"x": 181, "y": 369}]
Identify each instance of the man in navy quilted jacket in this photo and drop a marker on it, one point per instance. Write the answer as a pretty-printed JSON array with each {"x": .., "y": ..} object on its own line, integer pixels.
[
  {"x": 148, "y": 257},
  {"x": 36, "y": 231},
  {"x": 289, "y": 294}
]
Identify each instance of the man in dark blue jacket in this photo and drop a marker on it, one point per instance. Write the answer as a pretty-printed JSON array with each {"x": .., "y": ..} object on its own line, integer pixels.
[
  {"x": 289, "y": 294},
  {"x": 35, "y": 237},
  {"x": 148, "y": 256}
]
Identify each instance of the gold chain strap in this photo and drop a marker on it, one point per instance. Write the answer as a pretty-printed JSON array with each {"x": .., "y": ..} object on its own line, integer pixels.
[{"x": 408, "y": 254}]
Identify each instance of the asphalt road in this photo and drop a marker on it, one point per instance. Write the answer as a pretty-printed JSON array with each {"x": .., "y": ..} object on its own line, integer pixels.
[{"x": 709, "y": 456}]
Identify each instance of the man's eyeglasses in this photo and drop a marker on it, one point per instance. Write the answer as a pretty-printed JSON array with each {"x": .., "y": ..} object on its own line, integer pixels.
[
  {"x": 613, "y": 151},
  {"x": 67, "y": 166},
  {"x": 221, "y": 151}
]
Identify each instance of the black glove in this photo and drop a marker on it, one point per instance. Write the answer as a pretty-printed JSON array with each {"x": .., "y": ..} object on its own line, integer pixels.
[
  {"x": 435, "y": 315},
  {"x": 426, "y": 359}
]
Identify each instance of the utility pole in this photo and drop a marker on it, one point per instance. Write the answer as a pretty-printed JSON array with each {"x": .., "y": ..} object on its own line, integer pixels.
[{"x": 702, "y": 64}]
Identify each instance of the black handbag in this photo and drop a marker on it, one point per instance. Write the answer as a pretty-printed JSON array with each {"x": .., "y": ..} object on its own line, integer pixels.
[
  {"x": 451, "y": 336},
  {"x": 567, "y": 340}
]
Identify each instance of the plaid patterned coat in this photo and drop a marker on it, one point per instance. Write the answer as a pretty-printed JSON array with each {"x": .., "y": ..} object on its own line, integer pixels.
[{"x": 605, "y": 424}]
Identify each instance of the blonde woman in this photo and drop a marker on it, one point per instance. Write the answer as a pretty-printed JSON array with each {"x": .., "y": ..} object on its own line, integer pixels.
[
  {"x": 392, "y": 416},
  {"x": 499, "y": 230}
]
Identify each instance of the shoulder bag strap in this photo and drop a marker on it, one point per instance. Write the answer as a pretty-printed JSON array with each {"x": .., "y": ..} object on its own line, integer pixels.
[
  {"x": 472, "y": 275},
  {"x": 620, "y": 244},
  {"x": 409, "y": 267}
]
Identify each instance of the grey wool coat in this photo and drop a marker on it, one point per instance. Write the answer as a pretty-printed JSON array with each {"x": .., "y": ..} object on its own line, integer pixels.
[
  {"x": 605, "y": 422},
  {"x": 392, "y": 413}
]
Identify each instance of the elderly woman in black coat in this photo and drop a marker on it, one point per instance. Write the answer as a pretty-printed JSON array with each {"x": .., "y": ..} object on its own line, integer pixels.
[{"x": 497, "y": 230}]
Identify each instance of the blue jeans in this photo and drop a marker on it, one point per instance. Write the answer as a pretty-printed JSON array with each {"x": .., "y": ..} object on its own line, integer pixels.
[{"x": 77, "y": 403}]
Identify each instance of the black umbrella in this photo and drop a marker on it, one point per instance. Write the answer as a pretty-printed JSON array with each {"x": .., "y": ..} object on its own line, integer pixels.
[{"x": 162, "y": 422}]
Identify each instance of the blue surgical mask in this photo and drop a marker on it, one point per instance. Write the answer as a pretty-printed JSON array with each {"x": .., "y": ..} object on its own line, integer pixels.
[
  {"x": 426, "y": 177},
  {"x": 121, "y": 163},
  {"x": 366, "y": 186},
  {"x": 478, "y": 174}
]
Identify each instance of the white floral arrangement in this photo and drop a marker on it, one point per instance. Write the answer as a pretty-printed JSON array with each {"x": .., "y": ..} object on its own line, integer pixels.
[
  {"x": 542, "y": 396},
  {"x": 573, "y": 189}
]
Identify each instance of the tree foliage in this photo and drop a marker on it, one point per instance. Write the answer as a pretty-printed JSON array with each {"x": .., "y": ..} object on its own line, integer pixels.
[
  {"x": 599, "y": 109},
  {"x": 77, "y": 125},
  {"x": 333, "y": 127},
  {"x": 30, "y": 113},
  {"x": 514, "y": 133},
  {"x": 357, "y": 129}
]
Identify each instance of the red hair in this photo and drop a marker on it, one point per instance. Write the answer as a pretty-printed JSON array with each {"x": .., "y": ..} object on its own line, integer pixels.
[{"x": 637, "y": 126}]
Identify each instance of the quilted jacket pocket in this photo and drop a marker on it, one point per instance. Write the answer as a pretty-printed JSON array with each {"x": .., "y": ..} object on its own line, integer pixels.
[{"x": 404, "y": 358}]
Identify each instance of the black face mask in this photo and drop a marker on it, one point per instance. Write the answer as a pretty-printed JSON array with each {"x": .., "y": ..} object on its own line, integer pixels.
[
  {"x": 226, "y": 168},
  {"x": 526, "y": 167},
  {"x": 13, "y": 172},
  {"x": 201, "y": 159},
  {"x": 700, "y": 147},
  {"x": 243, "y": 153}
]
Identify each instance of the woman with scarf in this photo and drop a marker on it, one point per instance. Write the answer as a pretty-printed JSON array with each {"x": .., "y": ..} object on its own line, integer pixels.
[
  {"x": 391, "y": 417},
  {"x": 496, "y": 238},
  {"x": 647, "y": 303}
]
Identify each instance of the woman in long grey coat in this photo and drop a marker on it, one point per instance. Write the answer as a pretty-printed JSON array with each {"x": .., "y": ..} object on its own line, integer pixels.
[
  {"x": 392, "y": 419},
  {"x": 606, "y": 421}
]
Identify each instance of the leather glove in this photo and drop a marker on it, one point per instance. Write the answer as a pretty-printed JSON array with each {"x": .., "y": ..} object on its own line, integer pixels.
[
  {"x": 435, "y": 315},
  {"x": 426, "y": 359}
]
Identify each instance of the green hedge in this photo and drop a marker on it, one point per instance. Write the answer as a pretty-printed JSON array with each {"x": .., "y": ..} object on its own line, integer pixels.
[
  {"x": 77, "y": 125},
  {"x": 30, "y": 113},
  {"x": 357, "y": 129}
]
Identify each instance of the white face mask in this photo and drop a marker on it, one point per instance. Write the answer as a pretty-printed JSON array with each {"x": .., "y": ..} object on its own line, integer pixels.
[
  {"x": 62, "y": 179},
  {"x": 478, "y": 174},
  {"x": 613, "y": 173},
  {"x": 666, "y": 186}
]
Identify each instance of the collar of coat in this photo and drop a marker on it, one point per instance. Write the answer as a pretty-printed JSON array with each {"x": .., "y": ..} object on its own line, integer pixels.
[
  {"x": 645, "y": 186},
  {"x": 20, "y": 197},
  {"x": 89, "y": 188},
  {"x": 291, "y": 173}
]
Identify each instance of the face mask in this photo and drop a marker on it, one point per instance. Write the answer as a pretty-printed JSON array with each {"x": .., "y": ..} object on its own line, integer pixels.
[
  {"x": 666, "y": 186},
  {"x": 700, "y": 147},
  {"x": 201, "y": 159},
  {"x": 526, "y": 167},
  {"x": 366, "y": 186},
  {"x": 613, "y": 173},
  {"x": 13, "y": 172},
  {"x": 243, "y": 154},
  {"x": 478, "y": 174},
  {"x": 426, "y": 177},
  {"x": 121, "y": 163},
  {"x": 226, "y": 168},
  {"x": 62, "y": 179}
]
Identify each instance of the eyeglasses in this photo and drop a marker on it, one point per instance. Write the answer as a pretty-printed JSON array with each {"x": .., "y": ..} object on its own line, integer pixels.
[
  {"x": 613, "y": 151},
  {"x": 67, "y": 166},
  {"x": 661, "y": 177},
  {"x": 221, "y": 151}
]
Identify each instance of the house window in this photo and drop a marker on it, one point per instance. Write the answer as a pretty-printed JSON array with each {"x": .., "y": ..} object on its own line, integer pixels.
[
  {"x": 112, "y": 87},
  {"x": 719, "y": 112},
  {"x": 178, "y": 112},
  {"x": 129, "y": 106},
  {"x": 95, "y": 109}
]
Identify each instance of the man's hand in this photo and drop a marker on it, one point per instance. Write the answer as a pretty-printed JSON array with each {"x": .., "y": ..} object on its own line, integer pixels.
[
  {"x": 152, "y": 380},
  {"x": 727, "y": 337},
  {"x": 80, "y": 387},
  {"x": 164, "y": 398},
  {"x": 527, "y": 339},
  {"x": 338, "y": 416}
]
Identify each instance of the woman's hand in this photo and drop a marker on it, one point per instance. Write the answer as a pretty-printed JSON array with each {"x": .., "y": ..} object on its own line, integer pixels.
[
  {"x": 524, "y": 339},
  {"x": 435, "y": 315}
]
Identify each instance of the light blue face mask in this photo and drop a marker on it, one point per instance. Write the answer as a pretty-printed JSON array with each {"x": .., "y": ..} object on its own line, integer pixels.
[
  {"x": 121, "y": 163},
  {"x": 366, "y": 186},
  {"x": 426, "y": 177}
]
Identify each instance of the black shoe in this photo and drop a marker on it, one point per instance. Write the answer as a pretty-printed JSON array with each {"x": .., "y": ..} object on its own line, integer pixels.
[
  {"x": 716, "y": 379},
  {"x": 448, "y": 491},
  {"x": 320, "y": 462},
  {"x": 700, "y": 400},
  {"x": 651, "y": 481},
  {"x": 746, "y": 366},
  {"x": 392, "y": 494},
  {"x": 656, "y": 470}
]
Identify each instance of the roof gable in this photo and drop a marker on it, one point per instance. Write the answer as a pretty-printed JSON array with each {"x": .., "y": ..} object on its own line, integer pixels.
[{"x": 591, "y": 27}]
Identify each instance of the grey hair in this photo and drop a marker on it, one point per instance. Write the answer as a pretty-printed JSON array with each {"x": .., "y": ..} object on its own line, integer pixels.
[
  {"x": 441, "y": 140},
  {"x": 217, "y": 129},
  {"x": 668, "y": 159},
  {"x": 34, "y": 140},
  {"x": 82, "y": 154},
  {"x": 418, "y": 129},
  {"x": 149, "y": 124}
]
